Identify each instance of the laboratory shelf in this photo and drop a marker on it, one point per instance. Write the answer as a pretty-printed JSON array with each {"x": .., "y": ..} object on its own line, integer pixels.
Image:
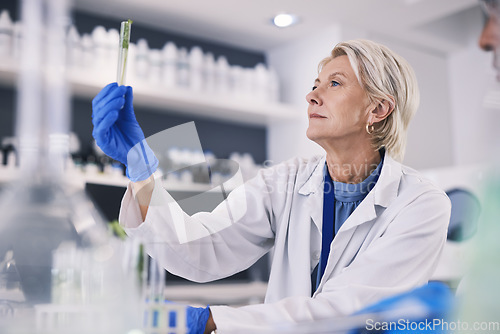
[
  {"x": 201, "y": 104},
  {"x": 8, "y": 73},
  {"x": 104, "y": 179},
  {"x": 116, "y": 181},
  {"x": 243, "y": 110},
  {"x": 79, "y": 179},
  {"x": 8, "y": 174}
]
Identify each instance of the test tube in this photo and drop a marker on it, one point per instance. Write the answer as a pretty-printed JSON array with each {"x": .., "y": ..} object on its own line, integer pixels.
[{"x": 123, "y": 51}]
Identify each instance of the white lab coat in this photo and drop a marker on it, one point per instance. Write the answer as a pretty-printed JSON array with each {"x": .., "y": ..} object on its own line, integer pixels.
[{"x": 391, "y": 242}]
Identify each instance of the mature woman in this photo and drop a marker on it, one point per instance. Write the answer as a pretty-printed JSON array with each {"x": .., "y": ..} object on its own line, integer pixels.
[{"x": 348, "y": 228}]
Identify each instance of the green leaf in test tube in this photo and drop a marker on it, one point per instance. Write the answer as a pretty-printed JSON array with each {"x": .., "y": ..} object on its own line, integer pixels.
[{"x": 123, "y": 51}]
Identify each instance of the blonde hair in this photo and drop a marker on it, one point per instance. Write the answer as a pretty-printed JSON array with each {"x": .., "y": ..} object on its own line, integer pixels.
[{"x": 383, "y": 75}]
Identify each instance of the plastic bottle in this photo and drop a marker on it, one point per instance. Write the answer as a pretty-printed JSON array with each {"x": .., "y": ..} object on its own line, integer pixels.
[
  {"x": 274, "y": 86},
  {"x": 142, "y": 60},
  {"x": 155, "y": 67},
  {"x": 236, "y": 81},
  {"x": 173, "y": 155},
  {"x": 112, "y": 40},
  {"x": 169, "y": 68},
  {"x": 247, "y": 85},
  {"x": 249, "y": 167},
  {"x": 210, "y": 157},
  {"x": 6, "y": 33},
  {"x": 99, "y": 40},
  {"x": 261, "y": 83},
  {"x": 187, "y": 177},
  {"x": 196, "y": 69},
  {"x": 16, "y": 39},
  {"x": 116, "y": 170},
  {"x": 87, "y": 52},
  {"x": 183, "y": 68},
  {"x": 209, "y": 72},
  {"x": 184, "y": 157},
  {"x": 74, "y": 48},
  {"x": 222, "y": 76},
  {"x": 132, "y": 56},
  {"x": 91, "y": 168}
]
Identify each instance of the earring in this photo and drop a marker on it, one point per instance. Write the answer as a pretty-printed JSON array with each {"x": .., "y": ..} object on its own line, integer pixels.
[{"x": 370, "y": 129}]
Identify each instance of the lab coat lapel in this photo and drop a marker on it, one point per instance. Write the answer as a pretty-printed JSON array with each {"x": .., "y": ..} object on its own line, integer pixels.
[
  {"x": 390, "y": 176},
  {"x": 351, "y": 235},
  {"x": 315, "y": 204},
  {"x": 353, "y": 232},
  {"x": 313, "y": 188},
  {"x": 384, "y": 192},
  {"x": 343, "y": 250}
]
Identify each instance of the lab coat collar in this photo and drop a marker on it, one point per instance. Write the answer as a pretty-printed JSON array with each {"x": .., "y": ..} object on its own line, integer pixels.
[
  {"x": 313, "y": 183},
  {"x": 384, "y": 192},
  {"x": 313, "y": 188},
  {"x": 387, "y": 187}
]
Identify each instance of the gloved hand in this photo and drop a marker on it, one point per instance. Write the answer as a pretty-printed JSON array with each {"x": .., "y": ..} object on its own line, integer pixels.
[
  {"x": 118, "y": 134},
  {"x": 419, "y": 306},
  {"x": 197, "y": 318}
]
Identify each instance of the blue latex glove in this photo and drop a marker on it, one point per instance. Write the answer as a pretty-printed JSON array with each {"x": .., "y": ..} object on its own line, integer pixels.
[
  {"x": 197, "y": 318},
  {"x": 434, "y": 299},
  {"x": 118, "y": 133}
]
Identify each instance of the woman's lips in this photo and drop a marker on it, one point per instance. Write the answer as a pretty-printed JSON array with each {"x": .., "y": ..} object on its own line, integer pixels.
[{"x": 316, "y": 116}]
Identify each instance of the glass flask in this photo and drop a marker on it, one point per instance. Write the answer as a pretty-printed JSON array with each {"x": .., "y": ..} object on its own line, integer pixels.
[{"x": 60, "y": 269}]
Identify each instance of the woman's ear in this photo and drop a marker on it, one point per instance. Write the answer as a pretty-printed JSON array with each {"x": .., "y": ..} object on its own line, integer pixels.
[{"x": 382, "y": 110}]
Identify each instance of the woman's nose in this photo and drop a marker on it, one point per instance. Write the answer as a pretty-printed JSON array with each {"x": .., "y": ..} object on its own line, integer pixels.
[
  {"x": 313, "y": 98},
  {"x": 490, "y": 37}
]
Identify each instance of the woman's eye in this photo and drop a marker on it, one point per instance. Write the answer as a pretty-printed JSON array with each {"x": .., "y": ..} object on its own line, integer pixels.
[
  {"x": 313, "y": 88},
  {"x": 334, "y": 83}
]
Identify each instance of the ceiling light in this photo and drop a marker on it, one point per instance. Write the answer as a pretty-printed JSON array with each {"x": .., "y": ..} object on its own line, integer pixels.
[{"x": 284, "y": 20}]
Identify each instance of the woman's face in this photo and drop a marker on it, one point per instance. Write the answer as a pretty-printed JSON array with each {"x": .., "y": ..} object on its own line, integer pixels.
[{"x": 338, "y": 106}]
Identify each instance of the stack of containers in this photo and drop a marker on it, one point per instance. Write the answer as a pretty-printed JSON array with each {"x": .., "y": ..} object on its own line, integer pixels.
[
  {"x": 6, "y": 35},
  {"x": 92, "y": 57},
  {"x": 10, "y": 37}
]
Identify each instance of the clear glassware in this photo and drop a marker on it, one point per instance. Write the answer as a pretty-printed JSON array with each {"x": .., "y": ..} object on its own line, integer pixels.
[
  {"x": 61, "y": 271},
  {"x": 125, "y": 30}
]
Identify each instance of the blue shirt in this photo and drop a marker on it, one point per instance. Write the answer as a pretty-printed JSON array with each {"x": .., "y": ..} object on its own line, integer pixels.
[{"x": 337, "y": 207}]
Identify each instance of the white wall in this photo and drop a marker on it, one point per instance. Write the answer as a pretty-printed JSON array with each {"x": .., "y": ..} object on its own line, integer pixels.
[
  {"x": 430, "y": 141},
  {"x": 476, "y": 129},
  {"x": 297, "y": 65}
]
